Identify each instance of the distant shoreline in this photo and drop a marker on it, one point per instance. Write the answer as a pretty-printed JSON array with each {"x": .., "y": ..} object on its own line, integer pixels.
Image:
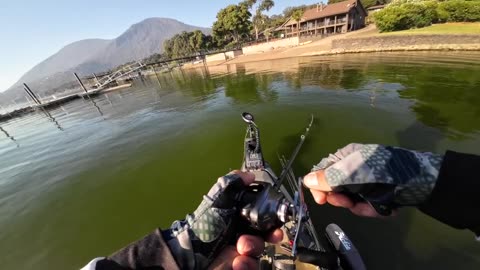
[
  {"x": 368, "y": 44},
  {"x": 368, "y": 40}
]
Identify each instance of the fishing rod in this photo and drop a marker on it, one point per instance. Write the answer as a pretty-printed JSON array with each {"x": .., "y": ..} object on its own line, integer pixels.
[
  {"x": 266, "y": 205},
  {"x": 289, "y": 164}
]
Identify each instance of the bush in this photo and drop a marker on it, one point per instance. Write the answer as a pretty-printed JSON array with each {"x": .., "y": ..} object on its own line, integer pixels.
[
  {"x": 390, "y": 19},
  {"x": 406, "y": 15},
  {"x": 402, "y": 15},
  {"x": 459, "y": 11}
]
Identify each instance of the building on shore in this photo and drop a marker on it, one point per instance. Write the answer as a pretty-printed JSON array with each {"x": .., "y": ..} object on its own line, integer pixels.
[
  {"x": 335, "y": 18},
  {"x": 373, "y": 9}
]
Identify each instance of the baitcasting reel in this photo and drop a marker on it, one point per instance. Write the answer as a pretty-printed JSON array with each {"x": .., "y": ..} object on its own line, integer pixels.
[{"x": 267, "y": 205}]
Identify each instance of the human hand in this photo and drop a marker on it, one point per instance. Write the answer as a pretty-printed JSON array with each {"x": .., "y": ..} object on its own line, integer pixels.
[
  {"x": 243, "y": 255},
  {"x": 204, "y": 238},
  {"x": 380, "y": 174}
]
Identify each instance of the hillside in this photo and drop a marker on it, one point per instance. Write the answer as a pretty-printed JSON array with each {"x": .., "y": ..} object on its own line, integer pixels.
[
  {"x": 67, "y": 58},
  {"x": 94, "y": 55}
]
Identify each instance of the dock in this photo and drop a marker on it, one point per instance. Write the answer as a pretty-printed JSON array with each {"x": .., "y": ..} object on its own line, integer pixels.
[
  {"x": 105, "y": 82},
  {"x": 55, "y": 102}
]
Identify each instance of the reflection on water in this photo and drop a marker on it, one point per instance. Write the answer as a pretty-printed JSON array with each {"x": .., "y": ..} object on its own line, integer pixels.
[
  {"x": 52, "y": 119},
  {"x": 169, "y": 136},
  {"x": 9, "y": 136},
  {"x": 95, "y": 105}
]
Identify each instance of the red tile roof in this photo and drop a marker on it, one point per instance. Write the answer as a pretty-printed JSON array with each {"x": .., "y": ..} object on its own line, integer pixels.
[{"x": 328, "y": 10}]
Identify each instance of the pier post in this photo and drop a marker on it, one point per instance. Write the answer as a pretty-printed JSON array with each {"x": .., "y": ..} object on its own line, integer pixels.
[
  {"x": 80, "y": 82},
  {"x": 31, "y": 94},
  {"x": 156, "y": 75},
  {"x": 31, "y": 97}
]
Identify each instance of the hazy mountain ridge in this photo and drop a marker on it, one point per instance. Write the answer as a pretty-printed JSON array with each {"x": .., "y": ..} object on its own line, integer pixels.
[
  {"x": 142, "y": 40},
  {"x": 67, "y": 58},
  {"x": 94, "y": 55}
]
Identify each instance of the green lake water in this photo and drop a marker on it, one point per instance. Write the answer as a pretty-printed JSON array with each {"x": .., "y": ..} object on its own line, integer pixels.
[{"x": 97, "y": 174}]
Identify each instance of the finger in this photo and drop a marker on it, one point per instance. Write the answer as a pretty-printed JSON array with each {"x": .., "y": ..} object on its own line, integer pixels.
[
  {"x": 244, "y": 263},
  {"x": 275, "y": 237},
  {"x": 365, "y": 210},
  {"x": 316, "y": 180},
  {"x": 225, "y": 259},
  {"x": 250, "y": 245},
  {"x": 247, "y": 177},
  {"x": 339, "y": 200},
  {"x": 320, "y": 197}
]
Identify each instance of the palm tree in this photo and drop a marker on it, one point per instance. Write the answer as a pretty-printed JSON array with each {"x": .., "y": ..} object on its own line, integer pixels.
[
  {"x": 297, "y": 16},
  {"x": 259, "y": 19}
]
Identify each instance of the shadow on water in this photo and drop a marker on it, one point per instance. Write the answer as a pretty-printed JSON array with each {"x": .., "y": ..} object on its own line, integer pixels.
[
  {"x": 196, "y": 84},
  {"x": 438, "y": 101},
  {"x": 443, "y": 97},
  {"x": 418, "y": 136},
  {"x": 249, "y": 88}
]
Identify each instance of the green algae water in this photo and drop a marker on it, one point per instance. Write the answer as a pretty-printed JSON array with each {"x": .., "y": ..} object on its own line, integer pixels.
[{"x": 96, "y": 174}]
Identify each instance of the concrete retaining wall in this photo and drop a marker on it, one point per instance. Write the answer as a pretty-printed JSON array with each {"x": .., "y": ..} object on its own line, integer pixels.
[
  {"x": 233, "y": 54},
  {"x": 268, "y": 46},
  {"x": 216, "y": 57},
  {"x": 401, "y": 41},
  {"x": 223, "y": 56}
]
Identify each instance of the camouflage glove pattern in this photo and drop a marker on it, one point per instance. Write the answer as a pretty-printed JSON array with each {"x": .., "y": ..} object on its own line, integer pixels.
[
  {"x": 197, "y": 240},
  {"x": 382, "y": 175}
]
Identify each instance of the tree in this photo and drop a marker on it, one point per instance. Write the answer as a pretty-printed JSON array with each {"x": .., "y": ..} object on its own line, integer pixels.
[
  {"x": 186, "y": 44},
  {"x": 233, "y": 23},
  {"x": 197, "y": 40},
  {"x": 267, "y": 34},
  {"x": 259, "y": 19},
  {"x": 297, "y": 16},
  {"x": 288, "y": 12},
  {"x": 274, "y": 21}
]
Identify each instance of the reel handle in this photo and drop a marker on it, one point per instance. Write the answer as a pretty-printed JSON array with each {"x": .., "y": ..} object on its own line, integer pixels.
[
  {"x": 264, "y": 207},
  {"x": 323, "y": 259}
]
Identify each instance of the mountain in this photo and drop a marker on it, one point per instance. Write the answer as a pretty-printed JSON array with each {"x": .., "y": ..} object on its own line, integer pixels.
[
  {"x": 67, "y": 58},
  {"x": 94, "y": 55},
  {"x": 143, "y": 39}
]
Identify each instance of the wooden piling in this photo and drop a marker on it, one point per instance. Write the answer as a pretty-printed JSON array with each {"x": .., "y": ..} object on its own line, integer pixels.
[
  {"x": 31, "y": 94},
  {"x": 80, "y": 82},
  {"x": 31, "y": 97}
]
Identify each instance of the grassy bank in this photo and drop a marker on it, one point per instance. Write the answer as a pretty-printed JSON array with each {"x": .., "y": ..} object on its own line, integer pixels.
[{"x": 444, "y": 28}]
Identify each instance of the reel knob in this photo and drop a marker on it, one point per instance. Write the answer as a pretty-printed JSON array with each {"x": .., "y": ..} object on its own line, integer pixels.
[{"x": 247, "y": 117}]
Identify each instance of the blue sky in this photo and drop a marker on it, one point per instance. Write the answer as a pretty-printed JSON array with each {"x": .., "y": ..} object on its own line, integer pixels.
[{"x": 31, "y": 31}]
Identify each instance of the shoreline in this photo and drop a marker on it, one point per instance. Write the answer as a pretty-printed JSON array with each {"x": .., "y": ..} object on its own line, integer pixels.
[
  {"x": 367, "y": 40},
  {"x": 418, "y": 48},
  {"x": 433, "y": 48}
]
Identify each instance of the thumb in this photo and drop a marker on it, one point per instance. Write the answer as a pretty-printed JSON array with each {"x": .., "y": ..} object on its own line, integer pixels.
[{"x": 316, "y": 180}]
